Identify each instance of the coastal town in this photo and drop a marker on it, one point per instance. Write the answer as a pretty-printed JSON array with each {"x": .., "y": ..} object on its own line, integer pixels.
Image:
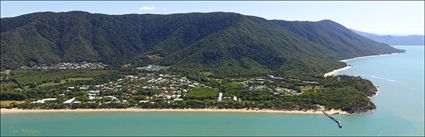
[
  {"x": 212, "y": 68},
  {"x": 61, "y": 66},
  {"x": 155, "y": 84},
  {"x": 91, "y": 85}
]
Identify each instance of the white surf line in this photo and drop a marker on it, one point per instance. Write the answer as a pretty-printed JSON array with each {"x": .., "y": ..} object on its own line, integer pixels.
[
  {"x": 377, "y": 92},
  {"x": 334, "y": 72},
  {"x": 363, "y": 57}
]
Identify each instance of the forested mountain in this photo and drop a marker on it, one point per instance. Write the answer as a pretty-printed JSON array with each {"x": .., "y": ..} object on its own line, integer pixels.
[
  {"x": 394, "y": 40},
  {"x": 219, "y": 42},
  {"x": 335, "y": 37}
]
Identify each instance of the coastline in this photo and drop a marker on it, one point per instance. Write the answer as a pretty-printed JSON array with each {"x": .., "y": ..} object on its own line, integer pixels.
[
  {"x": 362, "y": 57},
  {"x": 335, "y": 71},
  {"x": 377, "y": 92},
  {"x": 14, "y": 111},
  {"x": 331, "y": 73}
]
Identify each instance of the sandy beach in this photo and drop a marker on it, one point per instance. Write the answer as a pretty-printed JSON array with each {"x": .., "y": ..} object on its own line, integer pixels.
[
  {"x": 11, "y": 111},
  {"x": 331, "y": 73},
  {"x": 334, "y": 72},
  {"x": 356, "y": 58}
]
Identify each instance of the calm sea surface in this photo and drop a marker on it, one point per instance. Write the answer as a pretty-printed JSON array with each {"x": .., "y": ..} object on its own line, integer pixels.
[{"x": 400, "y": 111}]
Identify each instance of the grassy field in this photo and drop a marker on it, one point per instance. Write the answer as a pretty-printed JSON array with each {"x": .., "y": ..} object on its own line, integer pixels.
[
  {"x": 54, "y": 77},
  {"x": 310, "y": 88},
  {"x": 233, "y": 84},
  {"x": 281, "y": 89},
  {"x": 8, "y": 102},
  {"x": 202, "y": 93},
  {"x": 63, "y": 81},
  {"x": 48, "y": 84}
]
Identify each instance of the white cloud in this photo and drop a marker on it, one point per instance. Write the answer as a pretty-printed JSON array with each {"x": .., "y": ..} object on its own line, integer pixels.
[{"x": 147, "y": 8}]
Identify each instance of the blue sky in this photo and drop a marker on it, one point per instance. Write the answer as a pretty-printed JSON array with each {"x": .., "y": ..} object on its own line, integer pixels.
[{"x": 376, "y": 17}]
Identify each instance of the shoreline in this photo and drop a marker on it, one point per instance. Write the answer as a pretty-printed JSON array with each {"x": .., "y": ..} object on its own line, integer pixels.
[
  {"x": 335, "y": 71},
  {"x": 14, "y": 111},
  {"x": 331, "y": 73},
  {"x": 369, "y": 56},
  {"x": 377, "y": 92}
]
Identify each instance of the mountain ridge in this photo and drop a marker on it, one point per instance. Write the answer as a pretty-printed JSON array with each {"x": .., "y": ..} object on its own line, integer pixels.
[
  {"x": 394, "y": 39},
  {"x": 221, "y": 42}
]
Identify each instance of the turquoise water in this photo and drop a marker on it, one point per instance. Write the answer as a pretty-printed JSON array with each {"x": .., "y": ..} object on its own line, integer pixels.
[{"x": 400, "y": 103}]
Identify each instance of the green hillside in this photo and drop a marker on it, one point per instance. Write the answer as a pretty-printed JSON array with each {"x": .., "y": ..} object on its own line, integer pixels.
[{"x": 222, "y": 43}]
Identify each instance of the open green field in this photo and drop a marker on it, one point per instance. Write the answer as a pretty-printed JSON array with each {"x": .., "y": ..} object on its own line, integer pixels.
[
  {"x": 40, "y": 78},
  {"x": 310, "y": 88},
  {"x": 7, "y": 103},
  {"x": 233, "y": 84},
  {"x": 281, "y": 89},
  {"x": 202, "y": 93},
  {"x": 63, "y": 81},
  {"x": 48, "y": 84}
]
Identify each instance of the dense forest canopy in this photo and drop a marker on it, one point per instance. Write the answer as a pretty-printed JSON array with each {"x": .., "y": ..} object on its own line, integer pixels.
[{"x": 219, "y": 42}]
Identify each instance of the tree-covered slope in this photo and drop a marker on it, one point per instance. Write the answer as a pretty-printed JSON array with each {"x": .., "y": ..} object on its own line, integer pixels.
[
  {"x": 251, "y": 46},
  {"x": 223, "y": 43},
  {"x": 336, "y": 38},
  {"x": 80, "y": 36}
]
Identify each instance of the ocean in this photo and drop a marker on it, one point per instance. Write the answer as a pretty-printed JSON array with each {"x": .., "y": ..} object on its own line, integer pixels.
[{"x": 400, "y": 111}]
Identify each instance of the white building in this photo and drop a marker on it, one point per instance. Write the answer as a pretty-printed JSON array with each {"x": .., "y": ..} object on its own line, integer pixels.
[
  {"x": 143, "y": 101},
  {"x": 178, "y": 99},
  {"x": 44, "y": 100},
  {"x": 94, "y": 92},
  {"x": 220, "y": 96}
]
